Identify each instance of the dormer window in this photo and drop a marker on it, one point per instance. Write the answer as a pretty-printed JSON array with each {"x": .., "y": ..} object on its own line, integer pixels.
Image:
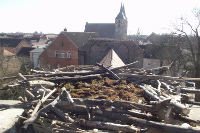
[{"x": 69, "y": 55}]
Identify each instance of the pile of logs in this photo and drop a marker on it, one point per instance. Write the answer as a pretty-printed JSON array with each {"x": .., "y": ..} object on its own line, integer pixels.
[{"x": 49, "y": 106}]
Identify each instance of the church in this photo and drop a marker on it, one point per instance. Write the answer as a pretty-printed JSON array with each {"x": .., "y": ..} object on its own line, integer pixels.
[{"x": 117, "y": 30}]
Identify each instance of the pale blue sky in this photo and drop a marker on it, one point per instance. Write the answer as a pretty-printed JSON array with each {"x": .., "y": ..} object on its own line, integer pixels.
[{"x": 52, "y": 16}]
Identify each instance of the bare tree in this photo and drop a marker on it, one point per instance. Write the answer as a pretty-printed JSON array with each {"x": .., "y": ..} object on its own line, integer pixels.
[
  {"x": 192, "y": 41},
  {"x": 167, "y": 48}
]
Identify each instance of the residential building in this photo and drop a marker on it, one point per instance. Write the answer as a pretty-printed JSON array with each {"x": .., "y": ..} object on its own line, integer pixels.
[
  {"x": 12, "y": 46},
  {"x": 64, "y": 50}
]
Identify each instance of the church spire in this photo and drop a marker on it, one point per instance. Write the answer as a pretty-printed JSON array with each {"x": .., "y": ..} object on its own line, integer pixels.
[
  {"x": 122, "y": 14},
  {"x": 123, "y": 10}
]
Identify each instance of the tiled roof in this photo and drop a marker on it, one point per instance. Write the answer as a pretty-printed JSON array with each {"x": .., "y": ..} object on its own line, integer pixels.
[
  {"x": 9, "y": 42},
  {"x": 37, "y": 50},
  {"x": 79, "y": 38},
  {"x": 29, "y": 39},
  {"x": 104, "y": 30},
  {"x": 7, "y": 53},
  {"x": 25, "y": 51}
]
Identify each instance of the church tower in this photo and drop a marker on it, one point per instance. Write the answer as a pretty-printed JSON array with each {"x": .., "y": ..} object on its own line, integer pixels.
[{"x": 121, "y": 24}]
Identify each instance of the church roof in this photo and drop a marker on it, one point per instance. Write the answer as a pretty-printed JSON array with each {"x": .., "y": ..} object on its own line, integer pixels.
[
  {"x": 122, "y": 13},
  {"x": 104, "y": 30},
  {"x": 112, "y": 60}
]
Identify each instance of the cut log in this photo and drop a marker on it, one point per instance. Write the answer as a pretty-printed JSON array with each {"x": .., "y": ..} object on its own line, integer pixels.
[
  {"x": 109, "y": 103},
  {"x": 148, "y": 93},
  {"x": 61, "y": 74},
  {"x": 109, "y": 125},
  {"x": 179, "y": 108},
  {"x": 109, "y": 71},
  {"x": 186, "y": 90},
  {"x": 159, "y": 70},
  {"x": 30, "y": 95},
  {"x": 145, "y": 123},
  {"x": 39, "y": 83},
  {"x": 62, "y": 115},
  {"x": 21, "y": 76}
]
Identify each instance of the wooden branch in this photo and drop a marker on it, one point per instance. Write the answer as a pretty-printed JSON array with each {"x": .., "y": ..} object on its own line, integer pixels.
[
  {"x": 30, "y": 95},
  {"x": 62, "y": 115},
  {"x": 69, "y": 79},
  {"x": 151, "y": 95},
  {"x": 109, "y": 71},
  {"x": 60, "y": 74},
  {"x": 159, "y": 85},
  {"x": 109, "y": 103},
  {"x": 160, "y": 70},
  {"x": 108, "y": 125},
  {"x": 45, "y": 109},
  {"x": 134, "y": 114},
  {"x": 42, "y": 101},
  {"x": 39, "y": 83},
  {"x": 151, "y": 124},
  {"x": 180, "y": 108},
  {"x": 186, "y": 90},
  {"x": 21, "y": 76}
]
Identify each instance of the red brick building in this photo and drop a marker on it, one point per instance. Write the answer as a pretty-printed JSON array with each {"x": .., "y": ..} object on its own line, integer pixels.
[
  {"x": 64, "y": 50},
  {"x": 96, "y": 49}
]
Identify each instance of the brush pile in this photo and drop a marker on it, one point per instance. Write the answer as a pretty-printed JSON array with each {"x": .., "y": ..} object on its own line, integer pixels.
[{"x": 97, "y": 99}]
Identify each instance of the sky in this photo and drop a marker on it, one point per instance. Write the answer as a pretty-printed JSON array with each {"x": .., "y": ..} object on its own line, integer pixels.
[{"x": 52, "y": 16}]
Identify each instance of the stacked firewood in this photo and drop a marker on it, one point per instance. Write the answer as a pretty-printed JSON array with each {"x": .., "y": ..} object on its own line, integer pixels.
[{"x": 50, "y": 107}]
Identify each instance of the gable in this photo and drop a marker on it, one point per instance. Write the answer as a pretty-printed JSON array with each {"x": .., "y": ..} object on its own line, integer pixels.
[
  {"x": 104, "y": 30},
  {"x": 112, "y": 60}
]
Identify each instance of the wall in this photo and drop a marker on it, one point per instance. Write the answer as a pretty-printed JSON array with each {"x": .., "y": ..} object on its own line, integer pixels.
[{"x": 128, "y": 51}]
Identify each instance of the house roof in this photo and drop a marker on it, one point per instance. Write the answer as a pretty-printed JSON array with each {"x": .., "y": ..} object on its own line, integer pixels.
[
  {"x": 25, "y": 51},
  {"x": 153, "y": 37},
  {"x": 9, "y": 42},
  {"x": 7, "y": 53},
  {"x": 104, "y": 30},
  {"x": 80, "y": 38},
  {"x": 29, "y": 39},
  {"x": 112, "y": 60},
  {"x": 37, "y": 50}
]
